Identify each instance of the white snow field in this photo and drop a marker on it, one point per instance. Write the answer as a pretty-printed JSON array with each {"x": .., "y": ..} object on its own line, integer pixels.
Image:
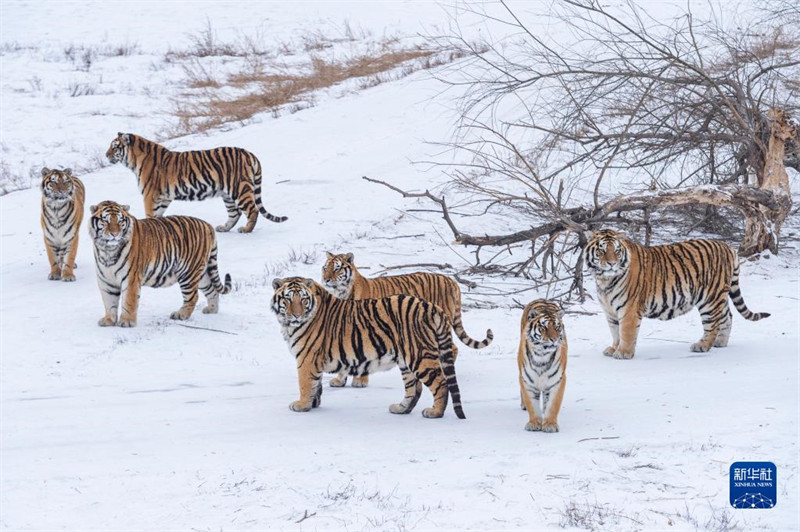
[{"x": 186, "y": 426}]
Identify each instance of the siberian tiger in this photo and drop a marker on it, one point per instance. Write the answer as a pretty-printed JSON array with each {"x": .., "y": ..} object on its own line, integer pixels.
[
  {"x": 326, "y": 334},
  {"x": 342, "y": 279},
  {"x": 663, "y": 282},
  {"x": 164, "y": 175},
  {"x": 153, "y": 252},
  {"x": 62, "y": 212},
  {"x": 542, "y": 361}
]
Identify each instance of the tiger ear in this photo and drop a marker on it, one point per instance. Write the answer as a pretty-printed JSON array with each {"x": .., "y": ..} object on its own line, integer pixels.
[
  {"x": 561, "y": 310},
  {"x": 277, "y": 283},
  {"x": 308, "y": 282},
  {"x": 45, "y": 171},
  {"x": 349, "y": 258},
  {"x": 68, "y": 171},
  {"x": 125, "y": 208},
  {"x": 532, "y": 313},
  {"x": 329, "y": 254},
  {"x": 127, "y": 138},
  {"x": 93, "y": 208}
]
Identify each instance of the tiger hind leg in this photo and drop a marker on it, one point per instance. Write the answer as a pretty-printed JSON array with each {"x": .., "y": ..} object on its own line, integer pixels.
[
  {"x": 413, "y": 392},
  {"x": 233, "y": 214},
  {"x": 429, "y": 371},
  {"x": 712, "y": 318},
  {"x": 361, "y": 381},
  {"x": 248, "y": 206},
  {"x": 212, "y": 296},
  {"x": 724, "y": 330},
  {"x": 189, "y": 292},
  {"x": 339, "y": 380}
]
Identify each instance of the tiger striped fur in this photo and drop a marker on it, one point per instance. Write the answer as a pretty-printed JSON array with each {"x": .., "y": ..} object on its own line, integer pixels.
[
  {"x": 152, "y": 252},
  {"x": 341, "y": 278},
  {"x": 63, "y": 195},
  {"x": 326, "y": 334},
  {"x": 163, "y": 175},
  {"x": 663, "y": 282},
  {"x": 542, "y": 361}
]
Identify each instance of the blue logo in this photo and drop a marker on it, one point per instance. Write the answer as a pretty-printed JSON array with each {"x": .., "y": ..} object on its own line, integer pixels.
[{"x": 754, "y": 485}]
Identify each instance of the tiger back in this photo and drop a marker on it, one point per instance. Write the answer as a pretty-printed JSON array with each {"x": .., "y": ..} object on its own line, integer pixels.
[
  {"x": 663, "y": 282},
  {"x": 542, "y": 362},
  {"x": 155, "y": 252},
  {"x": 326, "y": 334},
  {"x": 341, "y": 277},
  {"x": 163, "y": 175},
  {"x": 63, "y": 195}
]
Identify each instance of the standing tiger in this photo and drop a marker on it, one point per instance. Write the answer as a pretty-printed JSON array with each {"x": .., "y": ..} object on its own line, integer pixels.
[
  {"x": 62, "y": 212},
  {"x": 341, "y": 278},
  {"x": 153, "y": 252},
  {"x": 663, "y": 282},
  {"x": 164, "y": 176},
  {"x": 326, "y": 334},
  {"x": 542, "y": 361}
]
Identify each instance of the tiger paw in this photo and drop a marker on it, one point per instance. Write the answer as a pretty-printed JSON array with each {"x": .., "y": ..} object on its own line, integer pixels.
[
  {"x": 609, "y": 351},
  {"x": 180, "y": 315},
  {"x": 432, "y": 413},
  {"x": 534, "y": 426},
  {"x": 107, "y": 321},
  {"x": 622, "y": 354},
  {"x": 127, "y": 322},
  {"x": 699, "y": 347},
  {"x": 338, "y": 382},
  {"x": 222, "y": 229},
  {"x": 549, "y": 427},
  {"x": 245, "y": 230},
  {"x": 54, "y": 276},
  {"x": 211, "y": 309},
  {"x": 299, "y": 406},
  {"x": 399, "y": 408},
  {"x": 68, "y": 277},
  {"x": 360, "y": 382}
]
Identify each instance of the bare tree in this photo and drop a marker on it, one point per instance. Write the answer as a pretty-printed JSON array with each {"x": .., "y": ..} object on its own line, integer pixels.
[{"x": 627, "y": 114}]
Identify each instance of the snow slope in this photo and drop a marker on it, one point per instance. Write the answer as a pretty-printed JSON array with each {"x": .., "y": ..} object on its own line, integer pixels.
[{"x": 169, "y": 427}]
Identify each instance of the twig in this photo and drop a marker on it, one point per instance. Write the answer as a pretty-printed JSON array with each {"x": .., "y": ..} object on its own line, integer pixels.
[
  {"x": 205, "y": 329},
  {"x": 600, "y": 438},
  {"x": 417, "y": 265},
  {"x": 306, "y": 515}
]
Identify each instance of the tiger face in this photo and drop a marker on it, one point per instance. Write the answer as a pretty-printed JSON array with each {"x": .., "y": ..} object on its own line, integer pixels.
[
  {"x": 294, "y": 301},
  {"x": 57, "y": 185},
  {"x": 337, "y": 274},
  {"x": 606, "y": 253},
  {"x": 110, "y": 223},
  {"x": 544, "y": 326},
  {"x": 117, "y": 151}
]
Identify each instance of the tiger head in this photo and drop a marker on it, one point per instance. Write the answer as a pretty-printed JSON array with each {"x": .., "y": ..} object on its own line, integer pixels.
[
  {"x": 295, "y": 300},
  {"x": 57, "y": 185},
  {"x": 542, "y": 323},
  {"x": 111, "y": 223},
  {"x": 606, "y": 253},
  {"x": 118, "y": 151},
  {"x": 338, "y": 274}
]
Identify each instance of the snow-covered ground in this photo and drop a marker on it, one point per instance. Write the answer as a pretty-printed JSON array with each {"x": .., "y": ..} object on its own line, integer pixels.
[{"x": 168, "y": 427}]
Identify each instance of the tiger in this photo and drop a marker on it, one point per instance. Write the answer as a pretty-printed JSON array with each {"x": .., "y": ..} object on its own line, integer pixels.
[
  {"x": 663, "y": 282},
  {"x": 154, "y": 252},
  {"x": 542, "y": 361},
  {"x": 326, "y": 334},
  {"x": 164, "y": 176},
  {"x": 342, "y": 279},
  {"x": 63, "y": 195}
]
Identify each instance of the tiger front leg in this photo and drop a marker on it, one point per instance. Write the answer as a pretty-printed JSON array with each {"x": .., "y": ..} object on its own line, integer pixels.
[
  {"x": 310, "y": 389},
  {"x": 72, "y": 250},
  {"x": 530, "y": 399},
  {"x": 130, "y": 302},
  {"x": 628, "y": 333},
  {"x": 552, "y": 405},
  {"x": 55, "y": 267},
  {"x": 413, "y": 390},
  {"x": 613, "y": 325},
  {"x": 110, "y": 297}
]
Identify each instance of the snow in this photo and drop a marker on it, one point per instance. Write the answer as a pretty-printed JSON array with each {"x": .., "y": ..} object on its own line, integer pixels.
[{"x": 168, "y": 427}]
